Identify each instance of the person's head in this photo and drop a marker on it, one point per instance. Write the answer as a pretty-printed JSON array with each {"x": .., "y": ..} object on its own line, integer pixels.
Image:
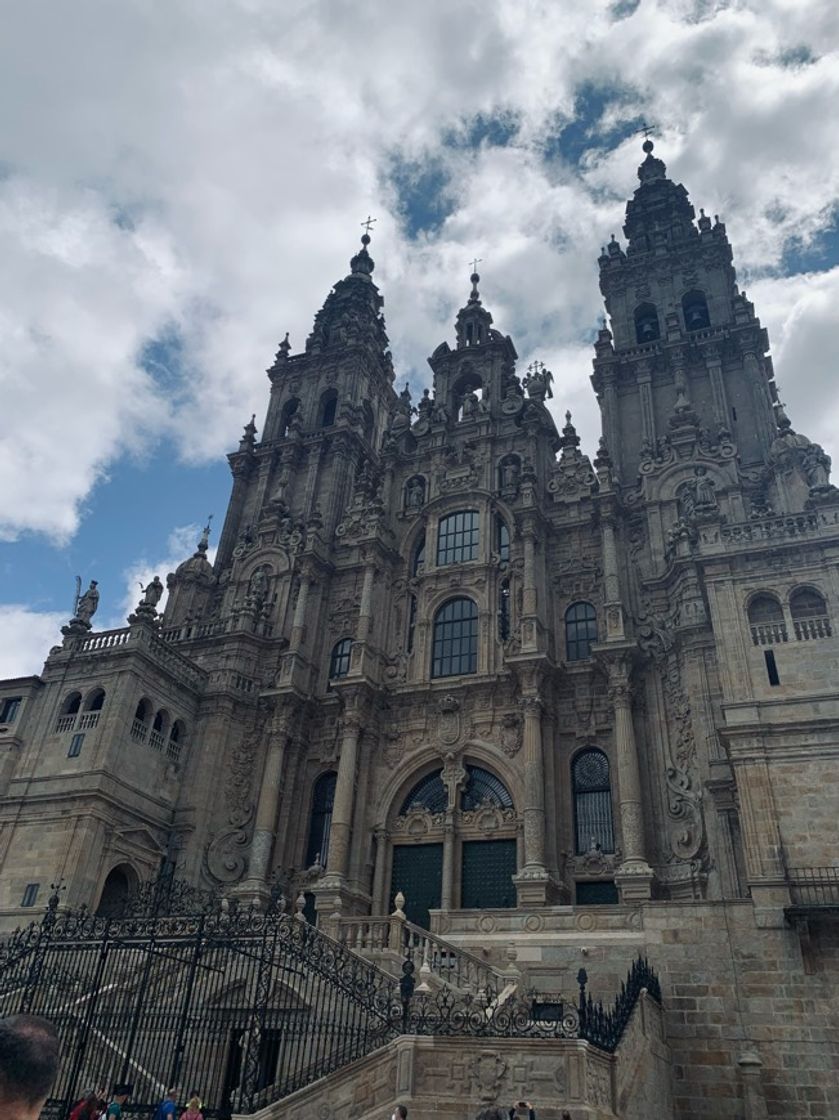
[
  {"x": 121, "y": 1093},
  {"x": 492, "y": 1114},
  {"x": 172, "y": 1094},
  {"x": 400, "y": 1113},
  {"x": 29, "y": 1055},
  {"x": 194, "y": 1104}
]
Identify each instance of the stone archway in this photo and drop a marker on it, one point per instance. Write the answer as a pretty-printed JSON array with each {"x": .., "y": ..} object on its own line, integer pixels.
[
  {"x": 453, "y": 842},
  {"x": 122, "y": 881}
]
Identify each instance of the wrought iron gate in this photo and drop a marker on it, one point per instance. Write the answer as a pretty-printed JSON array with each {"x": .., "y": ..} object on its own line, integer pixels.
[
  {"x": 243, "y": 1006},
  {"x": 240, "y": 1006}
]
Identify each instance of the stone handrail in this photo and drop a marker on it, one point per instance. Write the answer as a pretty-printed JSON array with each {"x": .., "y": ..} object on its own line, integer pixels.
[{"x": 431, "y": 955}]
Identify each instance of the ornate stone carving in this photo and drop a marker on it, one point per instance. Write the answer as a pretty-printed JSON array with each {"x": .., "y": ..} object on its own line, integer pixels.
[
  {"x": 448, "y": 720},
  {"x": 510, "y": 734},
  {"x": 487, "y": 1070}
]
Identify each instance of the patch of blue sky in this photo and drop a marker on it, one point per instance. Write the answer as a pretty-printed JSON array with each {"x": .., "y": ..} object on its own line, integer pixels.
[
  {"x": 423, "y": 198},
  {"x": 129, "y": 515},
  {"x": 162, "y": 357},
  {"x": 819, "y": 254},
  {"x": 597, "y": 122},
  {"x": 493, "y": 130},
  {"x": 622, "y": 9}
]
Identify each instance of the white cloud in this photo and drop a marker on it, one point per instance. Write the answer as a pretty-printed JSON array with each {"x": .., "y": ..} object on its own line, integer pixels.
[
  {"x": 205, "y": 168},
  {"x": 27, "y": 635}
]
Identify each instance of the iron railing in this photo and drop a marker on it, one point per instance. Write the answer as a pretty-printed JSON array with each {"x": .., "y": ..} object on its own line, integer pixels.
[
  {"x": 241, "y": 1005},
  {"x": 814, "y": 887}
]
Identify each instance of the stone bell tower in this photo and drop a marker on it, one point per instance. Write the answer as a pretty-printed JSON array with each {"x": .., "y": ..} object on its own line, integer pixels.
[{"x": 683, "y": 346}]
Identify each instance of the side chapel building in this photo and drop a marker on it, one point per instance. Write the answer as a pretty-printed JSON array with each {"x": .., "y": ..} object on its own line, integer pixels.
[{"x": 554, "y": 701}]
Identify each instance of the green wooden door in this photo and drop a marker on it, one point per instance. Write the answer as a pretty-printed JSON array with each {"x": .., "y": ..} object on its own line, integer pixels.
[
  {"x": 488, "y": 867},
  {"x": 418, "y": 873}
]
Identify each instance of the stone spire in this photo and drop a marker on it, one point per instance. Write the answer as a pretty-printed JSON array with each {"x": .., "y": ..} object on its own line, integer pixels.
[
  {"x": 474, "y": 322},
  {"x": 660, "y": 215},
  {"x": 352, "y": 312}
]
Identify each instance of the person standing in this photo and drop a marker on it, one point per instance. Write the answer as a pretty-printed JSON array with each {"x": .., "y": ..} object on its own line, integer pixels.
[
  {"x": 193, "y": 1110},
  {"x": 168, "y": 1107},
  {"x": 119, "y": 1096},
  {"x": 29, "y": 1055}
]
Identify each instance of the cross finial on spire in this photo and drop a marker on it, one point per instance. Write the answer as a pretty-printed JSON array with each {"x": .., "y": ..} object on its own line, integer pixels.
[
  {"x": 475, "y": 262},
  {"x": 367, "y": 225},
  {"x": 646, "y": 130}
]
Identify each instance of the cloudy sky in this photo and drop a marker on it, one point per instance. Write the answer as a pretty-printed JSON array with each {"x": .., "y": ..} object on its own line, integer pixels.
[{"x": 182, "y": 181}]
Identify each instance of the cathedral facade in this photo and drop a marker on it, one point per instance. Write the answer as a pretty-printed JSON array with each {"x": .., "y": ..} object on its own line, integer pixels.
[{"x": 559, "y": 704}]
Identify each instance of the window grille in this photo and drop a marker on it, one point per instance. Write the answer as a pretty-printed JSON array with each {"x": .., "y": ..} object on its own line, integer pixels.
[
  {"x": 484, "y": 787},
  {"x": 457, "y": 538},
  {"x": 592, "y": 802},
  {"x": 429, "y": 793},
  {"x": 455, "y": 646},
  {"x": 320, "y": 823}
]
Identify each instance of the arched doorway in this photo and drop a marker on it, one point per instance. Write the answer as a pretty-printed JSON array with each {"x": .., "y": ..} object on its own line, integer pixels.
[
  {"x": 453, "y": 841},
  {"x": 118, "y": 888}
]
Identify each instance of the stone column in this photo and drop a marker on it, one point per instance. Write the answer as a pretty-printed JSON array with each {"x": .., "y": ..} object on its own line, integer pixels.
[
  {"x": 634, "y": 875},
  {"x": 529, "y": 574},
  {"x": 447, "y": 891},
  {"x": 298, "y": 625},
  {"x": 611, "y": 580},
  {"x": 365, "y": 611},
  {"x": 338, "y": 861},
  {"x": 270, "y": 790},
  {"x": 241, "y": 464},
  {"x": 379, "y": 871},
  {"x": 533, "y": 883}
]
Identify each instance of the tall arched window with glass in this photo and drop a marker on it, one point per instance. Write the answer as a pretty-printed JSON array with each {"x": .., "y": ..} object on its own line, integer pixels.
[
  {"x": 339, "y": 662},
  {"x": 418, "y": 559},
  {"x": 504, "y": 610},
  {"x": 580, "y": 631},
  {"x": 455, "y": 644},
  {"x": 457, "y": 537},
  {"x": 320, "y": 822},
  {"x": 593, "y": 825}
]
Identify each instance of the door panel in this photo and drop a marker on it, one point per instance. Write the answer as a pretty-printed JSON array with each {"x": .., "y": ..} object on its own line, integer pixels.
[
  {"x": 418, "y": 873},
  {"x": 487, "y": 874}
]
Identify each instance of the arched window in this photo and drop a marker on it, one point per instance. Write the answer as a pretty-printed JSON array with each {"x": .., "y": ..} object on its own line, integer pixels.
[
  {"x": 95, "y": 700},
  {"x": 328, "y": 407},
  {"x": 580, "y": 631},
  {"x": 118, "y": 888},
  {"x": 765, "y": 608},
  {"x": 339, "y": 662},
  {"x": 483, "y": 788},
  {"x": 159, "y": 728},
  {"x": 418, "y": 563},
  {"x": 176, "y": 741},
  {"x": 809, "y": 614},
  {"x": 647, "y": 327},
  {"x": 429, "y": 793},
  {"x": 807, "y": 603},
  {"x": 320, "y": 822},
  {"x": 289, "y": 409},
  {"x": 592, "y": 802},
  {"x": 502, "y": 539},
  {"x": 457, "y": 537},
  {"x": 695, "y": 311},
  {"x": 504, "y": 610},
  {"x": 142, "y": 718},
  {"x": 455, "y": 645},
  {"x": 71, "y": 704}
]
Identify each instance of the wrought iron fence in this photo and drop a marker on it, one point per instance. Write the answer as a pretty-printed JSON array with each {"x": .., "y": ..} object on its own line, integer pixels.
[
  {"x": 242, "y": 1006},
  {"x": 814, "y": 887}
]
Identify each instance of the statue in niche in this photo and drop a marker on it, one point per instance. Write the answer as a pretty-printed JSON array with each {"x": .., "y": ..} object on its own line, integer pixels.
[
  {"x": 510, "y": 473},
  {"x": 696, "y": 496},
  {"x": 439, "y": 413},
  {"x": 257, "y": 588},
  {"x": 470, "y": 405},
  {"x": 415, "y": 493}
]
